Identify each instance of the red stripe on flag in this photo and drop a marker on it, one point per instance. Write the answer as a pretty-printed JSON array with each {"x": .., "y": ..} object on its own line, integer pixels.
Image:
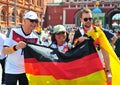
[{"x": 64, "y": 70}]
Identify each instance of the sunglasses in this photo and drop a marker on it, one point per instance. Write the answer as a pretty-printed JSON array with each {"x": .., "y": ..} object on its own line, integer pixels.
[
  {"x": 86, "y": 19},
  {"x": 36, "y": 21},
  {"x": 60, "y": 33}
]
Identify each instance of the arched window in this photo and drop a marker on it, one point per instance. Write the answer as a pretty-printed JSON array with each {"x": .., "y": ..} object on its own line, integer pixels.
[
  {"x": 33, "y": 2},
  {"x": 38, "y": 2},
  {"x": 2, "y": 16}
]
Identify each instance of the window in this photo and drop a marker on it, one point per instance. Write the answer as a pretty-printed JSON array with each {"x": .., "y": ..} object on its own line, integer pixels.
[
  {"x": 2, "y": 16},
  {"x": 49, "y": 17},
  {"x": 67, "y": 0},
  {"x": 38, "y": 2},
  {"x": 55, "y": 10},
  {"x": 60, "y": 17},
  {"x": 27, "y": 1},
  {"x": 20, "y": 1},
  {"x": 20, "y": 18},
  {"x": 33, "y": 1}
]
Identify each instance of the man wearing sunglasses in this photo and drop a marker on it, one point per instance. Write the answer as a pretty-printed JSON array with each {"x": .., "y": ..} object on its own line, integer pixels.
[
  {"x": 87, "y": 30},
  {"x": 14, "y": 43}
]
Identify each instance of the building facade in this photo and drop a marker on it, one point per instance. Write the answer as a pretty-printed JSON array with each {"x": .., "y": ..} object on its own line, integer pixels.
[
  {"x": 67, "y": 12},
  {"x": 12, "y": 11}
]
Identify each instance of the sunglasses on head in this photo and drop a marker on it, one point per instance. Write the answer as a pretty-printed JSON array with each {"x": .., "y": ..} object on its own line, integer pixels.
[
  {"x": 36, "y": 21},
  {"x": 86, "y": 19}
]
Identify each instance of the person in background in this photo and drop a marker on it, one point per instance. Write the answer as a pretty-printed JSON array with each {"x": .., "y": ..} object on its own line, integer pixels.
[
  {"x": 110, "y": 36},
  {"x": 86, "y": 29},
  {"x": 2, "y": 56},
  {"x": 59, "y": 38},
  {"x": 71, "y": 34},
  {"x": 14, "y": 43},
  {"x": 117, "y": 44},
  {"x": 46, "y": 37},
  {"x": 38, "y": 31}
]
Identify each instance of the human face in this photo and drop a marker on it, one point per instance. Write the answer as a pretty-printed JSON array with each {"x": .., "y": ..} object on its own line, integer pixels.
[
  {"x": 97, "y": 24},
  {"x": 60, "y": 38},
  {"x": 30, "y": 24},
  {"x": 86, "y": 20},
  {"x": 33, "y": 23}
]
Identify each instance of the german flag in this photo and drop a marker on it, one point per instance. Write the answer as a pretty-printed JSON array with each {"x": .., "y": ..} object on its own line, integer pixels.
[{"x": 79, "y": 66}]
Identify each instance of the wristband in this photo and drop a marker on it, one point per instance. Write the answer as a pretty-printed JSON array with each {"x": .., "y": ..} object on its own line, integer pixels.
[
  {"x": 13, "y": 48},
  {"x": 108, "y": 71}
]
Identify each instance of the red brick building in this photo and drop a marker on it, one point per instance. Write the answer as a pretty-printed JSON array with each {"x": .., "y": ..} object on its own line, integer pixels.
[
  {"x": 66, "y": 12},
  {"x": 12, "y": 11}
]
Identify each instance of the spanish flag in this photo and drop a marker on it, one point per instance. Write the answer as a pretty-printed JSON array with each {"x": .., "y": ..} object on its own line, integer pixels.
[{"x": 79, "y": 66}]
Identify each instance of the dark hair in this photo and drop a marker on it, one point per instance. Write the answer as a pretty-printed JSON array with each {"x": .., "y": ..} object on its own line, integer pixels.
[{"x": 85, "y": 10}]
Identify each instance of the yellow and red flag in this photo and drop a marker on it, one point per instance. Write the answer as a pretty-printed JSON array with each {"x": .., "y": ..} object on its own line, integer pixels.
[{"x": 114, "y": 61}]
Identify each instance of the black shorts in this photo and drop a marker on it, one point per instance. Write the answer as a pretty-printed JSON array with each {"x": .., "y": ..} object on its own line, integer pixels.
[{"x": 12, "y": 79}]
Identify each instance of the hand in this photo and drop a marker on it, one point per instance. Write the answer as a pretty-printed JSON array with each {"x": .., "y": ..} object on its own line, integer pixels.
[
  {"x": 109, "y": 77},
  {"x": 21, "y": 45},
  {"x": 82, "y": 38}
]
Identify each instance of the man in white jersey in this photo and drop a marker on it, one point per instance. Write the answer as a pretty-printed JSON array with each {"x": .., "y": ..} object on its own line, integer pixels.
[{"x": 13, "y": 45}]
